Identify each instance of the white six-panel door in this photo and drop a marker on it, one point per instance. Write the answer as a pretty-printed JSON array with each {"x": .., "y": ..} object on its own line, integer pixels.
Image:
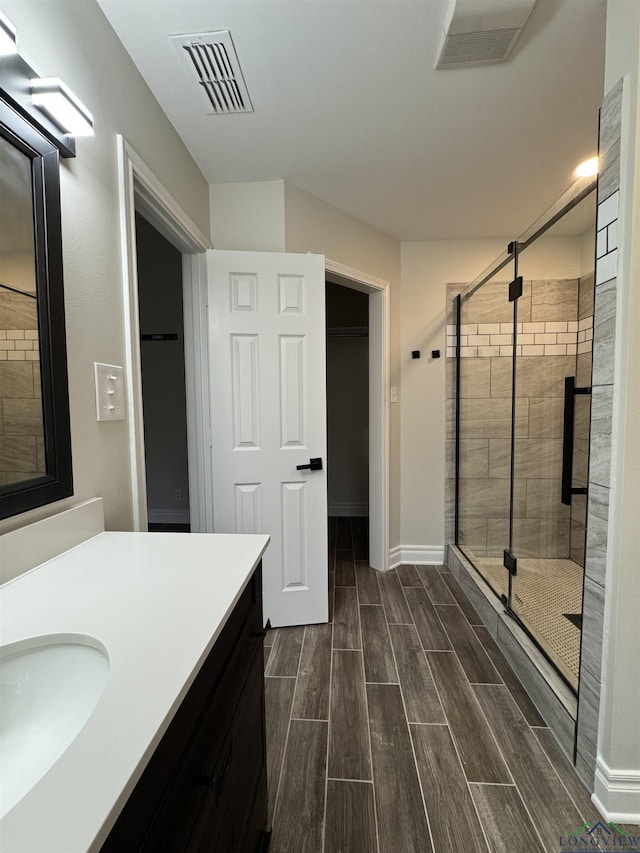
[{"x": 268, "y": 403}]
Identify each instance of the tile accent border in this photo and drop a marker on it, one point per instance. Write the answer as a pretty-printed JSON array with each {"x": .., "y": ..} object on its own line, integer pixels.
[
  {"x": 19, "y": 345},
  {"x": 491, "y": 340}
]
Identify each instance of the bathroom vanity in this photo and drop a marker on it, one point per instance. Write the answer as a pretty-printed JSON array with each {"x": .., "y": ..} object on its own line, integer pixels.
[{"x": 172, "y": 756}]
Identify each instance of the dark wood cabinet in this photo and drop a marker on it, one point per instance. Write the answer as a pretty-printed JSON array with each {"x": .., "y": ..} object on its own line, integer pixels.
[{"x": 204, "y": 789}]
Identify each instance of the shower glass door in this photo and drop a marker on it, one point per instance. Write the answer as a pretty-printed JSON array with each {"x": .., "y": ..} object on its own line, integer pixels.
[
  {"x": 552, "y": 417},
  {"x": 484, "y": 411}
]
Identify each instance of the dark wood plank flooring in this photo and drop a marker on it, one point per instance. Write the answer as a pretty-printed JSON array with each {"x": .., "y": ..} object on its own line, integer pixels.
[
  {"x": 349, "y": 752},
  {"x": 351, "y": 820},
  {"x": 452, "y": 816},
  {"x": 505, "y": 819},
  {"x": 475, "y": 661},
  {"x": 398, "y": 727},
  {"x": 311, "y": 700},
  {"x": 395, "y": 775}
]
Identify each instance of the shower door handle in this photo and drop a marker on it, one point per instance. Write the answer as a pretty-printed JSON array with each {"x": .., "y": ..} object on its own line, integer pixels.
[{"x": 570, "y": 392}]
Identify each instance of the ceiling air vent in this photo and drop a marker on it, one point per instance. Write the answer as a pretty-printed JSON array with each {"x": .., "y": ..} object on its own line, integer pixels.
[
  {"x": 481, "y": 32},
  {"x": 211, "y": 60},
  {"x": 477, "y": 48}
]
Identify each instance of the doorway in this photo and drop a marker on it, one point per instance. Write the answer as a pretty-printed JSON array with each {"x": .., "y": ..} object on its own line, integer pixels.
[
  {"x": 159, "y": 268},
  {"x": 378, "y": 298},
  {"x": 347, "y": 320},
  {"x": 140, "y": 192}
]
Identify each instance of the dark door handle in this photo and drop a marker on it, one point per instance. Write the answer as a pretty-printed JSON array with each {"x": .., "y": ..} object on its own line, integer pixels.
[
  {"x": 314, "y": 465},
  {"x": 570, "y": 391}
]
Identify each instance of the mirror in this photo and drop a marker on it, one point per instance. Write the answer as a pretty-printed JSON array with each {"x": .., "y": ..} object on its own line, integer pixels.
[
  {"x": 21, "y": 418},
  {"x": 35, "y": 445}
]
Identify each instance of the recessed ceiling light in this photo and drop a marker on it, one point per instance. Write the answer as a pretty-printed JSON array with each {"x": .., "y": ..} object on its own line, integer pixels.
[
  {"x": 587, "y": 168},
  {"x": 8, "y": 42}
]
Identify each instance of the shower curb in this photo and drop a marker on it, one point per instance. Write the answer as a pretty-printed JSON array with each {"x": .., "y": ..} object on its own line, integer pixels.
[{"x": 552, "y": 697}]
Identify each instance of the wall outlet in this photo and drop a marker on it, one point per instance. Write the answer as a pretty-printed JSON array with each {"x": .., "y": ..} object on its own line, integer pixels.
[{"x": 177, "y": 495}]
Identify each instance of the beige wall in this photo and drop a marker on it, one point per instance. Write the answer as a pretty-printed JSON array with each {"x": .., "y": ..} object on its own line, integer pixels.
[
  {"x": 248, "y": 216},
  {"x": 18, "y": 269},
  {"x": 426, "y": 270},
  {"x": 312, "y": 225},
  {"x": 73, "y": 40}
]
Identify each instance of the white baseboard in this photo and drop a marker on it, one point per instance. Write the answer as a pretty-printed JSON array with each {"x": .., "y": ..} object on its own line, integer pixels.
[
  {"x": 169, "y": 516},
  {"x": 417, "y": 555},
  {"x": 617, "y": 793},
  {"x": 348, "y": 509}
]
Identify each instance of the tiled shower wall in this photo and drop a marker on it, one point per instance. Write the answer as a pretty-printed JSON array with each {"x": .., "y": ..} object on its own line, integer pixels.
[
  {"x": 21, "y": 433},
  {"x": 600, "y": 443},
  {"x": 555, "y": 321}
]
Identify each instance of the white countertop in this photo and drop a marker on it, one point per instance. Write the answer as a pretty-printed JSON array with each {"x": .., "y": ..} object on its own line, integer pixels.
[{"x": 157, "y": 602}]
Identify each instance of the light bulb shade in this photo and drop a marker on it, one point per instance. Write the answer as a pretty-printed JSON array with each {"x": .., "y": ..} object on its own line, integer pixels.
[
  {"x": 56, "y": 100},
  {"x": 8, "y": 41}
]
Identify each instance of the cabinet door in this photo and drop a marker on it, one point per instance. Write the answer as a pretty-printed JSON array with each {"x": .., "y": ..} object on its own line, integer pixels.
[
  {"x": 206, "y": 765},
  {"x": 225, "y": 814}
]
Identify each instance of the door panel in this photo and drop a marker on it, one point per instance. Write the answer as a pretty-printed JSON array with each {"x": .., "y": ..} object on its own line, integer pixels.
[
  {"x": 248, "y": 508},
  {"x": 268, "y": 392},
  {"x": 244, "y": 373},
  {"x": 292, "y": 375}
]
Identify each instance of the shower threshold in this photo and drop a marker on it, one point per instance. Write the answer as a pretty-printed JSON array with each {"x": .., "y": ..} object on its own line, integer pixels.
[{"x": 548, "y": 689}]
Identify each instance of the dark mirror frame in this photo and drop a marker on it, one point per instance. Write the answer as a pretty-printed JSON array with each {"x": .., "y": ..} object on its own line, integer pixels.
[{"x": 25, "y": 135}]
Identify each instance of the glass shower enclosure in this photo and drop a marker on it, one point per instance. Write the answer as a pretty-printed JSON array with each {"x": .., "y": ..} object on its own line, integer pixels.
[{"x": 523, "y": 369}]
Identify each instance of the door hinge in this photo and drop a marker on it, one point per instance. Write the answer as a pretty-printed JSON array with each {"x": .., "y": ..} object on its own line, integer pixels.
[
  {"x": 515, "y": 289},
  {"x": 511, "y": 563}
]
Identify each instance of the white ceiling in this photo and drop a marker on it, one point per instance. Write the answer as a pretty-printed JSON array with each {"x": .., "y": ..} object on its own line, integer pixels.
[{"x": 348, "y": 106}]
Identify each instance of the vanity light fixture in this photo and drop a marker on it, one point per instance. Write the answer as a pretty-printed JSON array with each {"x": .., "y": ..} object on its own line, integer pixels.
[
  {"x": 8, "y": 41},
  {"x": 56, "y": 100},
  {"x": 587, "y": 168}
]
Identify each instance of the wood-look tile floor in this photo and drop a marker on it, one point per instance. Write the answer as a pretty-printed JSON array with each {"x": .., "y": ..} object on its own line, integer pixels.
[{"x": 400, "y": 727}]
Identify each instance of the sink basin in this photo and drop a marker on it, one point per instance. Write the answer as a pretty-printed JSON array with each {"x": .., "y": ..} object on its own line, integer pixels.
[{"x": 49, "y": 686}]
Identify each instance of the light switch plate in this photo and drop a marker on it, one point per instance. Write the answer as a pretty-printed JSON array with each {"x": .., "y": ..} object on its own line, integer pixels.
[
  {"x": 109, "y": 380},
  {"x": 393, "y": 396}
]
